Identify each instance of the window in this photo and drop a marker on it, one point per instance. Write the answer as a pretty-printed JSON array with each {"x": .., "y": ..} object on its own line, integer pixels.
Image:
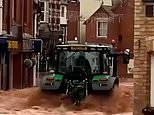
[
  {"x": 62, "y": 11},
  {"x": 44, "y": 11},
  {"x": 68, "y": 60},
  {"x": 58, "y": 6},
  {"x": 102, "y": 29},
  {"x": 25, "y": 11},
  {"x": 105, "y": 64},
  {"x": 149, "y": 10},
  {"x": 53, "y": 20},
  {"x": 14, "y": 11},
  {"x": 63, "y": 29},
  {"x": 3, "y": 9},
  {"x": 58, "y": 21},
  {"x": 53, "y": 6}
]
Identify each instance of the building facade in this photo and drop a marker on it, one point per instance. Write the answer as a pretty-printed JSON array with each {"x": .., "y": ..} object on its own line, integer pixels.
[
  {"x": 86, "y": 11},
  {"x": 17, "y": 26},
  {"x": 48, "y": 29},
  {"x": 73, "y": 15},
  {"x": 63, "y": 19},
  {"x": 143, "y": 55},
  {"x": 111, "y": 23}
]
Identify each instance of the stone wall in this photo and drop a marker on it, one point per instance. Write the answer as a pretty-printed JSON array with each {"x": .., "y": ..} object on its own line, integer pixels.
[{"x": 143, "y": 28}]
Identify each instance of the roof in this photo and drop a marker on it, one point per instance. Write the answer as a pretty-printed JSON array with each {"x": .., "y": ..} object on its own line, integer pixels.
[
  {"x": 103, "y": 9},
  {"x": 85, "y": 45}
]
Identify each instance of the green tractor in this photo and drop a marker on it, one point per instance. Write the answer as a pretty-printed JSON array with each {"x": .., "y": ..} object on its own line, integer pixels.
[{"x": 80, "y": 69}]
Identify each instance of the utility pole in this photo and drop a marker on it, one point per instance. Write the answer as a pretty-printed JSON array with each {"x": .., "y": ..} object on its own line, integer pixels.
[{"x": 1, "y": 16}]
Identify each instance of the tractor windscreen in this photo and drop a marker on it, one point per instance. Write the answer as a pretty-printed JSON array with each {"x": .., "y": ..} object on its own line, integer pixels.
[{"x": 89, "y": 61}]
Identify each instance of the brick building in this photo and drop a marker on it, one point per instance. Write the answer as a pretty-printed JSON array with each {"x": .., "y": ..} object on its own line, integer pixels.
[
  {"x": 143, "y": 55},
  {"x": 73, "y": 19},
  {"x": 17, "y": 29},
  {"x": 113, "y": 22}
]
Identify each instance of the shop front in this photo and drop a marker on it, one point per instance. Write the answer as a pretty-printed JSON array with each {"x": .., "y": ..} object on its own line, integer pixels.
[
  {"x": 3, "y": 63},
  {"x": 21, "y": 75}
]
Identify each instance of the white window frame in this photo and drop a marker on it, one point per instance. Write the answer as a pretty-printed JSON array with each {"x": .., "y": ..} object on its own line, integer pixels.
[
  {"x": 102, "y": 21},
  {"x": 62, "y": 11},
  {"x": 45, "y": 11}
]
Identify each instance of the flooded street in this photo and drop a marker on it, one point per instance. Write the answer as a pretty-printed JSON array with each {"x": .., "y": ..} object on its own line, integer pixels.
[{"x": 31, "y": 101}]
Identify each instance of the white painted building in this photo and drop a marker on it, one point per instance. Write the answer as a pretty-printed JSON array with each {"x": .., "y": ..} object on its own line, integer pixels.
[{"x": 63, "y": 19}]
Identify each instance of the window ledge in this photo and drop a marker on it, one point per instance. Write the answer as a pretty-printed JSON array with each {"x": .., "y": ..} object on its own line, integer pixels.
[{"x": 101, "y": 37}]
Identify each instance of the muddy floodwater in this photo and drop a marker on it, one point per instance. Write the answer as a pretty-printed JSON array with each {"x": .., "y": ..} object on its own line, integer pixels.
[{"x": 32, "y": 101}]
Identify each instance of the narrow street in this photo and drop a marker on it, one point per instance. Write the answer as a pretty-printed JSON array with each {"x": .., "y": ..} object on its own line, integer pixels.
[{"x": 31, "y": 101}]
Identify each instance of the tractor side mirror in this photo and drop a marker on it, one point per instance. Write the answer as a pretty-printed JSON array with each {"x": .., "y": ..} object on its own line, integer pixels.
[{"x": 126, "y": 56}]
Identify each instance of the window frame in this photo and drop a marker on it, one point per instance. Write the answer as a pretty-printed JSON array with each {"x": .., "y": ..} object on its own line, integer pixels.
[
  {"x": 149, "y": 10},
  {"x": 97, "y": 29},
  {"x": 62, "y": 11},
  {"x": 45, "y": 12}
]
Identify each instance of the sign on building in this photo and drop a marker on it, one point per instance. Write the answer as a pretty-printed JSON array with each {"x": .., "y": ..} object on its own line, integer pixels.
[
  {"x": 13, "y": 44},
  {"x": 34, "y": 45}
]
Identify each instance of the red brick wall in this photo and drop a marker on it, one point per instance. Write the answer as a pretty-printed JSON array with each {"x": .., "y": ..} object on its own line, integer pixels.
[
  {"x": 113, "y": 32},
  {"x": 126, "y": 30},
  {"x": 17, "y": 71},
  {"x": 21, "y": 14},
  {"x": 18, "y": 13},
  {"x": 28, "y": 23},
  {"x": 116, "y": 27},
  {"x": 73, "y": 20},
  {"x": 126, "y": 25},
  {"x": 6, "y": 18}
]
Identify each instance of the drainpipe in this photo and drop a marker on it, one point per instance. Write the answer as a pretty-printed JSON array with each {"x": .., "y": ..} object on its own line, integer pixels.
[
  {"x": 35, "y": 15},
  {"x": 1, "y": 16}
]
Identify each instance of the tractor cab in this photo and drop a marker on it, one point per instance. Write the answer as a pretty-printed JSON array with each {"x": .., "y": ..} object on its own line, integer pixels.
[
  {"x": 92, "y": 59},
  {"x": 96, "y": 63}
]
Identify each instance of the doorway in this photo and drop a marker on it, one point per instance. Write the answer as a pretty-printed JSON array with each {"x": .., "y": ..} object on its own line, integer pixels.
[{"x": 152, "y": 82}]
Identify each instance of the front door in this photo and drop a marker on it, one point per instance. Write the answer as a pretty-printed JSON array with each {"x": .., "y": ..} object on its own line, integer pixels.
[{"x": 152, "y": 82}]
